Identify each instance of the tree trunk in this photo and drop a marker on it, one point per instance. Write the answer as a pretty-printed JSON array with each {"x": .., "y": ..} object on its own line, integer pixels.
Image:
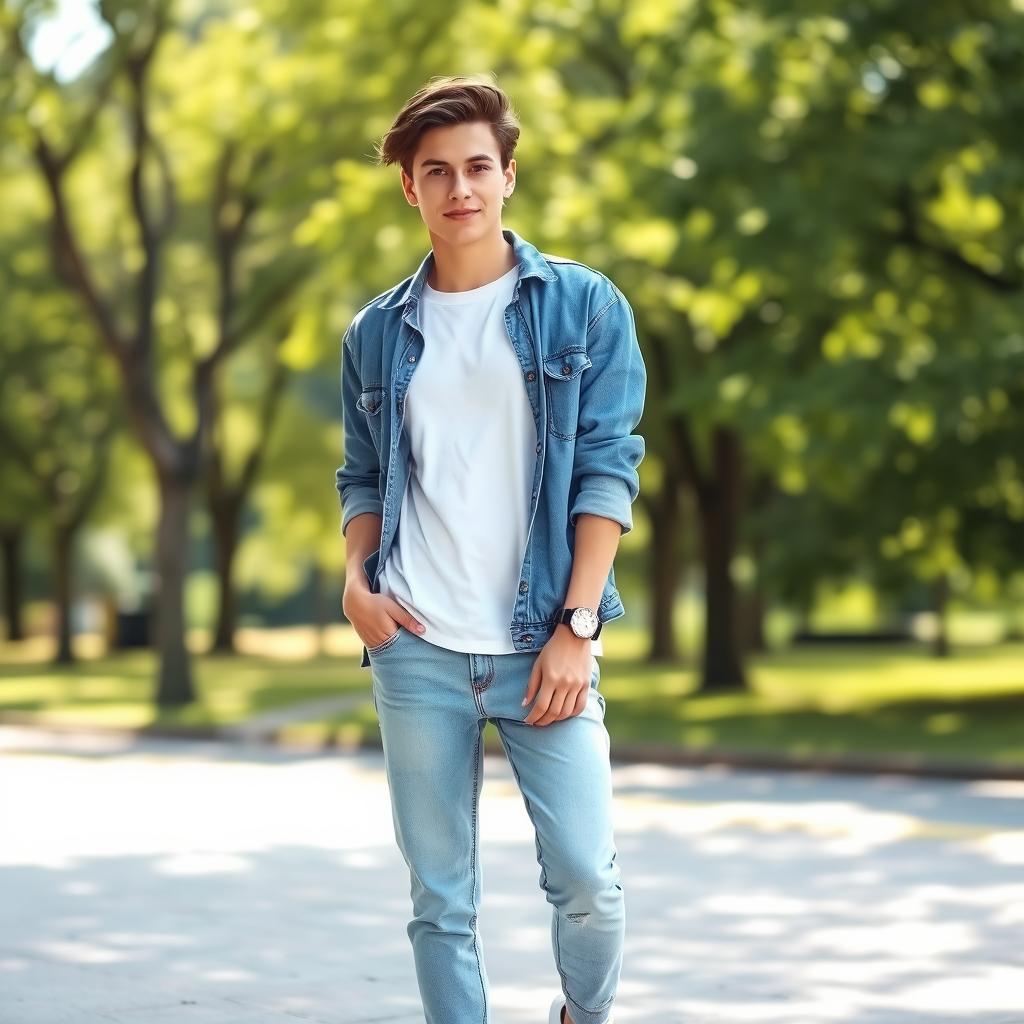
[
  {"x": 63, "y": 553},
  {"x": 12, "y": 541},
  {"x": 174, "y": 685},
  {"x": 940, "y": 596},
  {"x": 752, "y": 622},
  {"x": 225, "y": 529},
  {"x": 723, "y": 666},
  {"x": 226, "y": 502},
  {"x": 665, "y": 513}
]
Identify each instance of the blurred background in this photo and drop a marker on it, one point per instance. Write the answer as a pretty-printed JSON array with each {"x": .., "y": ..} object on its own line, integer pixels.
[{"x": 815, "y": 210}]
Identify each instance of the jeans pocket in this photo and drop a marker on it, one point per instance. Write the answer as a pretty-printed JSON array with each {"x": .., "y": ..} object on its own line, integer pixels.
[{"x": 385, "y": 644}]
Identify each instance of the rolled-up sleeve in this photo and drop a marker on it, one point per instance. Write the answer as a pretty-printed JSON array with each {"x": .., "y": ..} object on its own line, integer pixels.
[
  {"x": 358, "y": 478},
  {"x": 612, "y": 393}
]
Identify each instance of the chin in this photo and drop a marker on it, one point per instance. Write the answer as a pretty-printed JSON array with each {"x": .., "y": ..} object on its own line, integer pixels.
[{"x": 453, "y": 229}]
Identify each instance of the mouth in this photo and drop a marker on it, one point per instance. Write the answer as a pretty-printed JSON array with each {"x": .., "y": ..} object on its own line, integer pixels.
[{"x": 461, "y": 214}]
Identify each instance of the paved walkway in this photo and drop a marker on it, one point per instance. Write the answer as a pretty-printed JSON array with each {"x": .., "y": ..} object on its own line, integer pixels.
[
  {"x": 264, "y": 726},
  {"x": 163, "y": 881}
]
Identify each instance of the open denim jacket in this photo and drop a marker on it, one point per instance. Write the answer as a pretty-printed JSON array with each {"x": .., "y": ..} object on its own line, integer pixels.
[{"x": 574, "y": 335}]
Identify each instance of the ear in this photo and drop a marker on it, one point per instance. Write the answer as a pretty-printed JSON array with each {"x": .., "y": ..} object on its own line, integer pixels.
[{"x": 408, "y": 188}]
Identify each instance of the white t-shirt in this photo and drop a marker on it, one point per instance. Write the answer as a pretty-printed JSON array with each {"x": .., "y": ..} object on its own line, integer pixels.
[{"x": 461, "y": 536}]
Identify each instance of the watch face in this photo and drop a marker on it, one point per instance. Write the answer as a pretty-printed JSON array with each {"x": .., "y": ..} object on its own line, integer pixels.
[{"x": 584, "y": 622}]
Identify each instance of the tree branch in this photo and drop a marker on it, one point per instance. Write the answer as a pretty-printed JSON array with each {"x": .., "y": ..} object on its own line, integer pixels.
[
  {"x": 151, "y": 231},
  {"x": 910, "y": 233}
]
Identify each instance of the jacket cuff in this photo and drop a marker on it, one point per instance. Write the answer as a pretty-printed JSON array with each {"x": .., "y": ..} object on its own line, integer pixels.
[
  {"x": 358, "y": 501},
  {"x": 607, "y": 496}
]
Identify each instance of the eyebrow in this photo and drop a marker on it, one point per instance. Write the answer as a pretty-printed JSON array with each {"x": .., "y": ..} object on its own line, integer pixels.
[{"x": 469, "y": 160}]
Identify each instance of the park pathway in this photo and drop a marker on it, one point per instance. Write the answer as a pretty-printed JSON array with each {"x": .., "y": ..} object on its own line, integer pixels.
[
  {"x": 263, "y": 727},
  {"x": 160, "y": 881}
]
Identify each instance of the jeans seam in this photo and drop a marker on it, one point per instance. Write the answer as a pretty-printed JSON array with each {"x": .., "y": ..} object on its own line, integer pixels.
[
  {"x": 477, "y": 700},
  {"x": 529, "y": 811},
  {"x": 540, "y": 852},
  {"x": 599, "y": 1009},
  {"x": 476, "y": 800}
]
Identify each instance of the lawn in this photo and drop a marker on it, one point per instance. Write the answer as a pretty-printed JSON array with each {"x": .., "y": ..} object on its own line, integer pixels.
[
  {"x": 275, "y": 668},
  {"x": 800, "y": 700}
]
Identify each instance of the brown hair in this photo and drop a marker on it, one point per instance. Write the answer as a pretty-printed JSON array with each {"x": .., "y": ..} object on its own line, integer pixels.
[{"x": 444, "y": 100}]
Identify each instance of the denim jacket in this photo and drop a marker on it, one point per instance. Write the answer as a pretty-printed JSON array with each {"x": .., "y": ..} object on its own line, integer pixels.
[{"x": 574, "y": 335}]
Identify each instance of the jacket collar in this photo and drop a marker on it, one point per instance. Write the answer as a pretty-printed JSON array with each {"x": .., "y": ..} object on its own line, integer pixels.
[{"x": 531, "y": 264}]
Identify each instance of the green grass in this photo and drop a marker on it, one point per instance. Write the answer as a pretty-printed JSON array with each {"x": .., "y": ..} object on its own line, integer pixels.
[
  {"x": 120, "y": 690},
  {"x": 839, "y": 700},
  {"x": 835, "y": 702},
  {"x": 843, "y": 700}
]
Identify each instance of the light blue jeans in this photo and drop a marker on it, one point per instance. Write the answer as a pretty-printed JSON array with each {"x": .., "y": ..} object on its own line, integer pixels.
[{"x": 433, "y": 704}]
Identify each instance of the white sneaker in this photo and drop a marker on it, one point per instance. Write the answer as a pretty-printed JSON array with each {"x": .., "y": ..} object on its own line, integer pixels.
[{"x": 555, "y": 1013}]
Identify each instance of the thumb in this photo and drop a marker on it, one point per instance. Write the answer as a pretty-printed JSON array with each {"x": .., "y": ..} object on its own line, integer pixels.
[{"x": 534, "y": 684}]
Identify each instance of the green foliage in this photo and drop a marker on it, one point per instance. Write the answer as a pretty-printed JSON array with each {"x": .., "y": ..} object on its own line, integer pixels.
[{"x": 814, "y": 210}]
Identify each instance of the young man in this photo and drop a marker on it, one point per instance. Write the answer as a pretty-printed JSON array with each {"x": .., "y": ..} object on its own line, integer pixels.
[{"x": 489, "y": 403}]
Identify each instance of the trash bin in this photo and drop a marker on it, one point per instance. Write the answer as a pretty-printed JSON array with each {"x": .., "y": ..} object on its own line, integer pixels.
[{"x": 132, "y": 629}]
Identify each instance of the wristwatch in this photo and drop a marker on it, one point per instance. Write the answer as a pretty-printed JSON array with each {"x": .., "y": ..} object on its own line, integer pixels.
[{"x": 584, "y": 621}]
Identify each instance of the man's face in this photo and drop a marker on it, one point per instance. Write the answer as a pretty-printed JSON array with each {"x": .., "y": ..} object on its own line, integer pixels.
[{"x": 457, "y": 167}]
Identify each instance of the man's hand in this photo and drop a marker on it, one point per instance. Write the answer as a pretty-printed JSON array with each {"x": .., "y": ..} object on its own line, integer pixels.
[
  {"x": 561, "y": 673},
  {"x": 375, "y": 617}
]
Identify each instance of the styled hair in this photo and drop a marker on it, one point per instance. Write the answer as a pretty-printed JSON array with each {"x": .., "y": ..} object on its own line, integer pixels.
[{"x": 445, "y": 100}]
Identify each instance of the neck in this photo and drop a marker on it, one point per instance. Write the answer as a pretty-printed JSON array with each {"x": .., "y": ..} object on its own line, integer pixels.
[{"x": 458, "y": 268}]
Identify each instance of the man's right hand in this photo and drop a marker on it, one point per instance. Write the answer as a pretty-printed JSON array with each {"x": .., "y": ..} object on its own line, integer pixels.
[{"x": 375, "y": 617}]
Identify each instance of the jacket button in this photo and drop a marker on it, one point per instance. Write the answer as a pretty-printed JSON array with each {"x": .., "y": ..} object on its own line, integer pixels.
[
  {"x": 566, "y": 369},
  {"x": 526, "y": 638},
  {"x": 523, "y": 586},
  {"x": 531, "y": 375},
  {"x": 538, "y": 448},
  {"x": 412, "y": 359},
  {"x": 400, "y": 401}
]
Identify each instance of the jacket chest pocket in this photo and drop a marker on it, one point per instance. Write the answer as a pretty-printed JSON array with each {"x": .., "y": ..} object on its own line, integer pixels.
[
  {"x": 370, "y": 402},
  {"x": 562, "y": 377}
]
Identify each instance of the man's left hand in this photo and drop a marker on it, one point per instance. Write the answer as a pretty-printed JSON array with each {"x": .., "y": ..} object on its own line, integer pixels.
[{"x": 560, "y": 678}]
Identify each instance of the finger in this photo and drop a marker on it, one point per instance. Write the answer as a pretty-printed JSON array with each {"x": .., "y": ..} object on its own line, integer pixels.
[
  {"x": 389, "y": 631},
  {"x": 412, "y": 623},
  {"x": 561, "y": 705},
  {"x": 533, "y": 684},
  {"x": 404, "y": 617},
  {"x": 540, "y": 707},
  {"x": 539, "y": 710},
  {"x": 581, "y": 702}
]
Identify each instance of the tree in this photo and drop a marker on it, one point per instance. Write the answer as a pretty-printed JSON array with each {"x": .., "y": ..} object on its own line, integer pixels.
[{"x": 58, "y": 408}]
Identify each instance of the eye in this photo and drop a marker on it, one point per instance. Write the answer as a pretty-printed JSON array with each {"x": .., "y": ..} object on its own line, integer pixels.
[
  {"x": 480, "y": 167},
  {"x": 436, "y": 170}
]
